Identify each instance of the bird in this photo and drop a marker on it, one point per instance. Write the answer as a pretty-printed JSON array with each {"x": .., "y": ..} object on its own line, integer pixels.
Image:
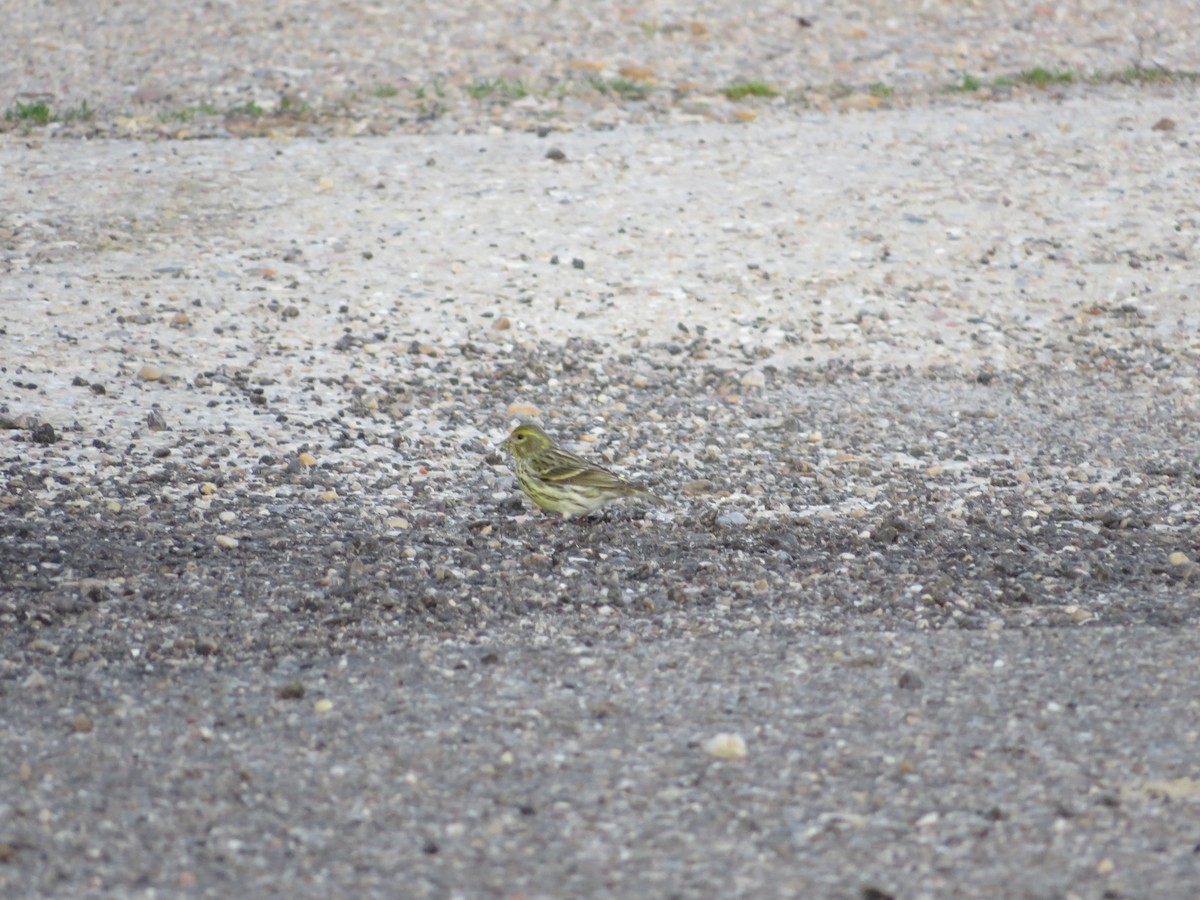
[{"x": 559, "y": 481}]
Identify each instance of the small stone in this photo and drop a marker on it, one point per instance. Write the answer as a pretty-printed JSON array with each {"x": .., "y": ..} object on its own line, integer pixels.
[
  {"x": 636, "y": 73},
  {"x": 1164, "y": 124},
  {"x": 208, "y": 488},
  {"x": 1178, "y": 559},
  {"x": 224, "y": 540},
  {"x": 207, "y": 647},
  {"x": 501, "y": 324},
  {"x": 155, "y": 421},
  {"x": 323, "y": 706},
  {"x": 732, "y": 519},
  {"x": 44, "y": 434},
  {"x": 227, "y": 516},
  {"x": 555, "y": 154},
  {"x": 909, "y": 681},
  {"x": 306, "y": 459},
  {"x": 180, "y": 320},
  {"x": 754, "y": 379},
  {"x": 726, "y": 746},
  {"x": 99, "y": 390},
  {"x": 149, "y": 373},
  {"x": 859, "y": 103},
  {"x": 577, "y": 263},
  {"x": 523, "y": 410},
  {"x": 35, "y": 680},
  {"x": 38, "y": 645},
  {"x": 82, "y": 724},
  {"x": 293, "y": 690},
  {"x": 398, "y": 522},
  {"x": 327, "y": 496},
  {"x": 82, "y": 654}
]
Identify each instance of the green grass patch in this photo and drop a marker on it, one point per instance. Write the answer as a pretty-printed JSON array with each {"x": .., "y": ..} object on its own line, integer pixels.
[
  {"x": 881, "y": 91},
  {"x": 251, "y": 109},
  {"x": 81, "y": 113},
  {"x": 625, "y": 88},
  {"x": 36, "y": 113},
  {"x": 1043, "y": 78},
  {"x": 743, "y": 89},
  {"x": 428, "y": 110},
  {"x": 386, "y": 91},
  {"x": 300, "y": 110},
  {"x": 188, "y": 113},
  {"x": 504, "y": 88},
  {"x": 1142, "y": 75},
  {"x": 969, "y": 83}
]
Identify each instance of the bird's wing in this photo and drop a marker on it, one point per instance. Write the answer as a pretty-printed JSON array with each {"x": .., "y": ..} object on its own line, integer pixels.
[{"x": 570, "y": 469}]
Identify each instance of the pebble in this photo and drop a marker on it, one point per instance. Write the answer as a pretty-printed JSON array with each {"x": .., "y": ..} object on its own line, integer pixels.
[
  {"x": 726, "y": 746},
  {"x": 730, "y": 519},
  {"x": 293, "y": 690},
  {"x": 226, "y": 541},
  {"x": 44, "y": 434}
]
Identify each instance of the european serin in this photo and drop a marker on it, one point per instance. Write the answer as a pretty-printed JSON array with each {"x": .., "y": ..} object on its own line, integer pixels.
[{"x": 562, "y": 482}]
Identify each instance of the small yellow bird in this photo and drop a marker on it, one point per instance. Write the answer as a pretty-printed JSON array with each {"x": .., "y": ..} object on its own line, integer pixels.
[{"x": 562, "y": 482}]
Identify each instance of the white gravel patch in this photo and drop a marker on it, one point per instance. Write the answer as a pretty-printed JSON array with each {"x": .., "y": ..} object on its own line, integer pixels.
[{"x": 961, "y": 237}]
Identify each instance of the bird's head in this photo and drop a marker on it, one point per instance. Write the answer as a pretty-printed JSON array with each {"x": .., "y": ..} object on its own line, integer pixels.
[{"x": 525, "y": 441}]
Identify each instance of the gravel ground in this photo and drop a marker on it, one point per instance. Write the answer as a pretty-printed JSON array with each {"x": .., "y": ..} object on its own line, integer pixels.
[{"x": 918, "y": 371}]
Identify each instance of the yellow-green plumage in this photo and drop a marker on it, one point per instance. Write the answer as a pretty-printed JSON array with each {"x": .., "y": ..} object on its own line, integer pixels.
[{"x": 562, "y": 482}]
